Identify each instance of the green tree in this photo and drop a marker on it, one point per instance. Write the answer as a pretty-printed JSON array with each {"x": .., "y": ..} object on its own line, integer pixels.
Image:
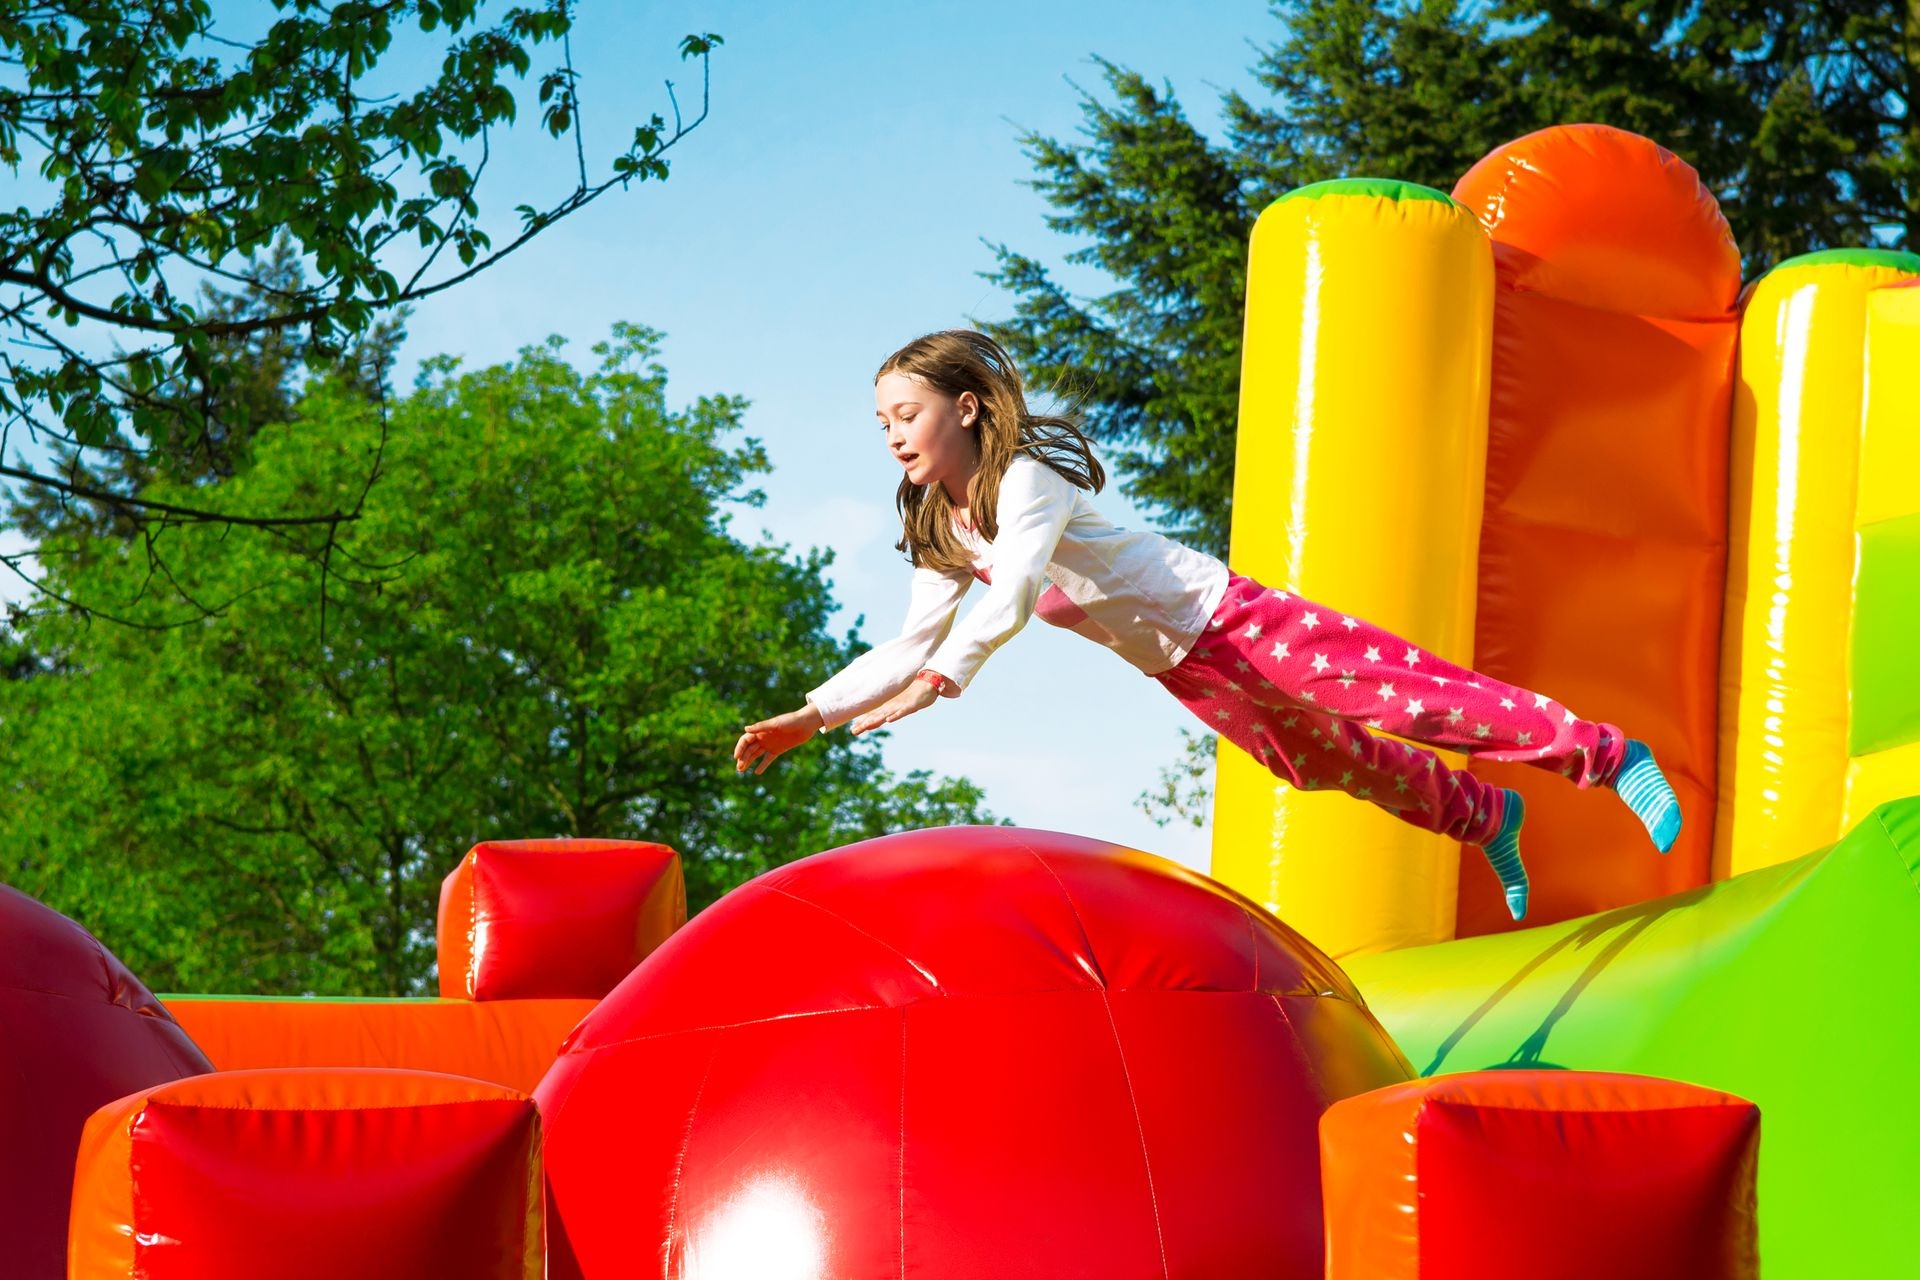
[
  {"x": 540, "y": 625},
  {"x": 166, "y": 157},
  {"x": 256, "y": 377}
]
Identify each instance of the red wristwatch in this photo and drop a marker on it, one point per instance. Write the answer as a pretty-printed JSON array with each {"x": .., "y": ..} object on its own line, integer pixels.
[{"x": 934, "y": 678}]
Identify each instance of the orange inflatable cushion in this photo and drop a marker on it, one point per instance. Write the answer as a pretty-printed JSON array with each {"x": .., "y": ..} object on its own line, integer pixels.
[
  {"x": 506, "y": 1042},
  {"x": 1606, "y": 218}
]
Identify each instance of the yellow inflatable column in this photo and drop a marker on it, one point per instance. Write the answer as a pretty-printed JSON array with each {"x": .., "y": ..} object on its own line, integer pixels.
[
  {"x": 1884, "y": 654},
  {"x": 1796, "y": 485},
  {"x": 1359, "y": 483}
]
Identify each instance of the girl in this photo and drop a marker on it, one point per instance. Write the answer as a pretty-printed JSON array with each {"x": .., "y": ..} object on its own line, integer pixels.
[{"x": 996, "y": 493}]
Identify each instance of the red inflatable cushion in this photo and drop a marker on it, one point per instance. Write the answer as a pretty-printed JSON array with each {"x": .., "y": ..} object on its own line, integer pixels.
[
  {"x": 553, "y": 919},
  {"x": 1511, "y": 1175},
  {"x": 311, "y": 1174}
]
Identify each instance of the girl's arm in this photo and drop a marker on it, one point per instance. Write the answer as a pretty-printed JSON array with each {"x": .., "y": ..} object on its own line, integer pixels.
[
  {"x": 1034, "y": 506},
  {"x": 885, "y": 669}
]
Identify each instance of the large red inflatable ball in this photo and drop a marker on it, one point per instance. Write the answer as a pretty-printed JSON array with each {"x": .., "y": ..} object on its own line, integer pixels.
[
  {"x": 960, "y": 1052},
  {"x": 77, "y": 1031}
]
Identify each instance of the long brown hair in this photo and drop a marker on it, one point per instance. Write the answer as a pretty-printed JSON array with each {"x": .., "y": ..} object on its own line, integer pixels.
[{"x": 954, "y": 361}]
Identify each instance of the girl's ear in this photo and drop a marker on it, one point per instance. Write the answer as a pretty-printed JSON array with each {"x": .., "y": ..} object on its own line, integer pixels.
[{"x": 969, "y": 406}]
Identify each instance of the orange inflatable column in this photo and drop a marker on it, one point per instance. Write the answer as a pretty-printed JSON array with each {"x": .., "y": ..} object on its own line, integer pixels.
[
  {"x": 310, "y": 1175},
  {"x": 1513, "y": 1175},
  {"x": 1604, "y": 540}
]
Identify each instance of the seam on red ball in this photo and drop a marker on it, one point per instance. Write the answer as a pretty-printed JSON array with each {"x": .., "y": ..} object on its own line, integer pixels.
[
  {"x": 1298, "y": 1045},
  {"x": 903, "y": 1142},
  {"x": 1146, "y": 1161},
  {"x": 1253, "y": 944},
  {"x": 680, "y": 1161},
  {"x": 878, "y": 941},
  {"x": 1099, "y": 973}
]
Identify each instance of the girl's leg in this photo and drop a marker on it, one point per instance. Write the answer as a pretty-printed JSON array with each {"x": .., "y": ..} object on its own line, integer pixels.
[
  {"x": 1304, "y": 653},
  {"x": 1315, "y": 751}
]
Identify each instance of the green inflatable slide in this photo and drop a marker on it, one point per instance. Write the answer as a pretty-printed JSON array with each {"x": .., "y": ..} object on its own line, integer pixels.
[{"x": 1790, "y": 985}]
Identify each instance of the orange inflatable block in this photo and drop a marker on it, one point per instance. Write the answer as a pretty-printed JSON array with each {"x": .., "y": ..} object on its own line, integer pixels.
[
  {"x": 1513, "y": 1175},
  {"x": 1603, "y": 541},
  {"x": 555, "y": 918},
  {"x": 310, "y": 1175},
  {"x": 506, "y": 1042}
]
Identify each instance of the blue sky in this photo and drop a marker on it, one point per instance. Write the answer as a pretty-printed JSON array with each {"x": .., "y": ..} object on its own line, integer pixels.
[{"x": 832, "y": 206}]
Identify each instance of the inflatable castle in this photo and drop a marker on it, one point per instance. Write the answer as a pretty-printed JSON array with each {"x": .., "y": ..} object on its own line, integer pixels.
[{"x": 1538, "y": 425}]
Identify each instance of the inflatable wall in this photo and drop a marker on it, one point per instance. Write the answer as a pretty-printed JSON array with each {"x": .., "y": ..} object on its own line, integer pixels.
[
  {"x": 1681, "y": 505},
  {"x": 1539, "y": 427}
]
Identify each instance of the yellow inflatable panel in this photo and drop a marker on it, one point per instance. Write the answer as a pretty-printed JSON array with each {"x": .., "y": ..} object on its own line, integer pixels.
[
  {"x": 1795, "y": 471},
  {"x": 1890, "y": 443},
  {"x": 1359, "y": 482}
]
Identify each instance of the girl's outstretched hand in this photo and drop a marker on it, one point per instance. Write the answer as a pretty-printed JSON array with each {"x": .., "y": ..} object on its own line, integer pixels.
[
  {"x": 915, "y": 696},
  {"x": 768, "y": 740}
]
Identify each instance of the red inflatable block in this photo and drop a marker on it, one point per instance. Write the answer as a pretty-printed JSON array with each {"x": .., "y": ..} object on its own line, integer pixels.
[
  {"x": 555, "y": 918},
  {"x": 1513, "y": 1175},
  {"x": 76, "y": 1031},
  {"x": 963, "y": 1052},
  {"x": 311, "y": 1175}
]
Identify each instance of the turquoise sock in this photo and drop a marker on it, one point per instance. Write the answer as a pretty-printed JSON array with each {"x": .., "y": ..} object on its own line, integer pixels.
[
  {"x": 1641, "y": 784},
  {"x": 1503, "y": 855}
]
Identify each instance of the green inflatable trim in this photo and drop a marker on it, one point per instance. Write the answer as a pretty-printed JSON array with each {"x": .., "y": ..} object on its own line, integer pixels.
[
  {"x": 1793, "y": 986},
  {"x": 1385, "y": 188},
  {"x": 1897, "y": 259}
]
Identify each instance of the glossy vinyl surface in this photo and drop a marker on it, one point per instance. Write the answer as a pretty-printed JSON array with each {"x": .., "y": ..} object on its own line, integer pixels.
[
  {"x": 507, "y": 1042},
  {"x": 311, "y": 1174},
  {"x": 959, "y": 1052},
  {"x": 531, "y": 919},
  {"x": 1790, "y": 985},
  {"x": 1363, "y": 390},
  {"x": 1603, "y": 546},
  {"x": 1890, "y": 434},
  {"x": 77, "y": 1030},
  {"x": 1511, "y": 1175},
  {"x": 1606, "y": 219},
  {"x": 1884, "y": 735},
  {"x": 1797, "y": 451}
]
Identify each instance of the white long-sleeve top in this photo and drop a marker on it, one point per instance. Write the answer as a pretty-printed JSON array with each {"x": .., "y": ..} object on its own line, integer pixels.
[{"x": 1142, "y": 595}]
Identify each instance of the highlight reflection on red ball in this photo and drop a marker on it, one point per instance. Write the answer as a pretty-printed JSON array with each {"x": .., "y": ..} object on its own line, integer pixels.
[{"x": 954, "y": 1053}]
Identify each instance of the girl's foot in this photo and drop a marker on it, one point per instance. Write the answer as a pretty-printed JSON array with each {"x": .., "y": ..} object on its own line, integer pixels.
[
  {"x": 1503, "y": 854},
  {"x": 1644, "y": 788}
]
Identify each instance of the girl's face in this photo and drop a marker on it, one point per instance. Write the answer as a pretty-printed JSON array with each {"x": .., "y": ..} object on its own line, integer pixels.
[{"x": 928, "y": 432}]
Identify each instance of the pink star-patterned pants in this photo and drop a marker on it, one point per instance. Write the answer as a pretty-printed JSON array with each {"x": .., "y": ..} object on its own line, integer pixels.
[{"x": 1297, "y": 685}]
